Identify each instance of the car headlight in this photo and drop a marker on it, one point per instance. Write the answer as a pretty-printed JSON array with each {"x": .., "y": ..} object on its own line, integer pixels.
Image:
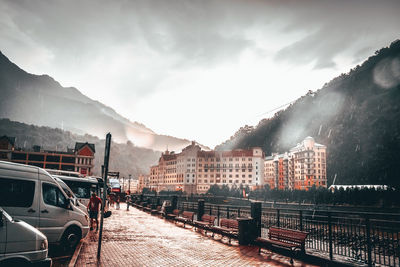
[
  {"x": 87, "y": 218},
  {"x": 44, "y": 245}
]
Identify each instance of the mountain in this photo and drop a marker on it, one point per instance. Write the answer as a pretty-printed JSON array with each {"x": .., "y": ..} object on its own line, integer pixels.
[
  {"x": 40, "y": 100},
  {"x": 356, "y": 115},
  {"x": 125, "y": 158}
]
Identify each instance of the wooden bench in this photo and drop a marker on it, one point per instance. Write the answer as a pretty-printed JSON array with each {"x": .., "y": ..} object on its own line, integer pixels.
[
  {"x": 206, "y": 222},
  {"x": 156, "y": 211},
  {"x": 173, "y": 215},
  {"x": 285, "y": 238},
  {"x": 228, "y": 228},
  {"x": 147, "y": 207},
  {"x": 186, "y": 218},
  {"x": 140, "y": 205}
]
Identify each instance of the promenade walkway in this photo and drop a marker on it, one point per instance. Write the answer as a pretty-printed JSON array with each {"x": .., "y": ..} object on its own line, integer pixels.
[{"x": 136, "y": 238}]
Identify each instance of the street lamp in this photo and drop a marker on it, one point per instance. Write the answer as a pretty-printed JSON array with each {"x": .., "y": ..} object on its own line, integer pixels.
[{"x": 129, "y": 183}]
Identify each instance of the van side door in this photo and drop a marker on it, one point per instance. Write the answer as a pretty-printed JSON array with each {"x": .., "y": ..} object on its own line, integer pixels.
[
  {"x": 3, "y": 234},
  {"x": 19, "y": 198},
  {"x": 53, "y": 212}
]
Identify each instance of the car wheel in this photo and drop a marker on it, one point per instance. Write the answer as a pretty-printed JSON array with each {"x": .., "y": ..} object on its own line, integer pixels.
[{"x": 71, "y": 238}]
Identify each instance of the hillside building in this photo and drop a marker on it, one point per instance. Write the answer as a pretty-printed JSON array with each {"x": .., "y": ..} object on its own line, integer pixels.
[
  {"x": 142, "y": 182},
  {"x": 309, "y": 164},
  {"x": 194, "y": 170},
  {"x": 80, "y": 159},
  {"x": 301, "y": 168}
]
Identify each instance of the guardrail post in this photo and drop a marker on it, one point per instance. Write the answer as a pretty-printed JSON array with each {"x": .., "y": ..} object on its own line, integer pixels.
[
  {"x": 238, "y": 211},
  {"x": 200, "y": 209},
  {"x": 301, "y": 219},
  {"x": 369, "y": 249},
  {"x": 330, "y": 236},
  {"x": 245, "y": 235},
  {"x": 227, "y": 212},
  {"x": 278, "y": 217},
  {"x": 174, "y": 202},
  {"x": 255, "y": 209},
  {"x": 217, "y": 215}
]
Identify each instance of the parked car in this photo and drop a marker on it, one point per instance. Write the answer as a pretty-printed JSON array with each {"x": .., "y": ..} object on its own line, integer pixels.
[
  {"x": 21, "y": 244},
  {"x": 30, "y": 194}
]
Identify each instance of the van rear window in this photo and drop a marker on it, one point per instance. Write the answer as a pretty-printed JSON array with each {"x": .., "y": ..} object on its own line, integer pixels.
[{"x": 16, "y": 193}]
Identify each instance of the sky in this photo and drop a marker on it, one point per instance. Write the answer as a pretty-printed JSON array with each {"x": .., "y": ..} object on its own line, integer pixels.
[{"x": 198, "y": 70}]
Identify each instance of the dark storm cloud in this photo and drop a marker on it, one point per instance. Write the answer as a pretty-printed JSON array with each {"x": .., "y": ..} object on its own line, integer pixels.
[
  {"x": 200, "y": 33},
  {"x": 335, "y": 27}
]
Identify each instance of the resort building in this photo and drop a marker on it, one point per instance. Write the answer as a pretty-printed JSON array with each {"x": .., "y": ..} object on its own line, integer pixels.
[
  {"x": 309, "y": 162},
  {"x": 194, "y": 170},
  {"x": 301, "y": 168},
  {"x": 269, "y": 172},
  {"x": 80, "y": 159},
  {"x": 142, "y": 182}
]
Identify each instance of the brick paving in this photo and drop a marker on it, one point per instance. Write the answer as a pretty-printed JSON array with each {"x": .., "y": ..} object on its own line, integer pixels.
[{"x": 136, "y": 238}]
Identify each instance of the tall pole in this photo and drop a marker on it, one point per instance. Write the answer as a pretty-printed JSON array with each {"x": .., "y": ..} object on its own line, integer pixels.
[
  {"x": 105, "y": 173},
  {"x": 129, "y": 183}
]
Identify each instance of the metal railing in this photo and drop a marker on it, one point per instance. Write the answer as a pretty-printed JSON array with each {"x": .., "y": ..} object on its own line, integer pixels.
[{"x": 371, "y": 238}]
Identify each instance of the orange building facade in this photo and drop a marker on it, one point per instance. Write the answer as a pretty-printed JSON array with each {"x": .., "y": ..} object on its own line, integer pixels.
[
  {"x": 80, "y": 159},
  {"x": 303, "y": 167}
]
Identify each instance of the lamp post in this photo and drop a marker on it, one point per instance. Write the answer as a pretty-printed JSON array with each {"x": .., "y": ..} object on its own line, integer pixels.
[{"x": 129, "y": 182}]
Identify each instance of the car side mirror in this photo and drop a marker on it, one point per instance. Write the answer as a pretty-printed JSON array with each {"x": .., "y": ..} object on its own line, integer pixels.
[{"x": 68, "y": 205}]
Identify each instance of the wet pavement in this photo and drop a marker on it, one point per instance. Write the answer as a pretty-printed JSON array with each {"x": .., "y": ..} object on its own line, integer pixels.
[{"x": 136, "y": 238}]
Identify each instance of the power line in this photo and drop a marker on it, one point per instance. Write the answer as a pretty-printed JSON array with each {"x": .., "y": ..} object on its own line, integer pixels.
[
  {"x": 277, "y": 108},
  {"x": 282, "y": 106}
]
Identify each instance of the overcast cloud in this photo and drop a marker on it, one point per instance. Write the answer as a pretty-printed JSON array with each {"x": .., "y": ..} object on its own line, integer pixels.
[{"x": 184, "y": 67}]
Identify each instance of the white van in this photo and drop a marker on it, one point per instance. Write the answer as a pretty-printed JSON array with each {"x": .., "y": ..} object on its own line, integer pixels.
[
  {"x": 82, "y": 187},
  {"x": 71, "y": 194},
  {"x": 30, "y": 194},
  {"x": 21, "y": 243}
]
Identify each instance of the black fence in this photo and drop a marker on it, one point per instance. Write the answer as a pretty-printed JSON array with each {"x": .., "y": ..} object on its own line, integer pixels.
[
  {"x": 360, "y": 237},
  {"x": 371, "y": 238}
]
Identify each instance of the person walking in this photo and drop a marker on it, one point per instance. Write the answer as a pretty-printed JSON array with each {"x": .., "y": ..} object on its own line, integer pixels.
[
  {"x": 118, "y": 200},
  {"x": 93, "y": 209}
]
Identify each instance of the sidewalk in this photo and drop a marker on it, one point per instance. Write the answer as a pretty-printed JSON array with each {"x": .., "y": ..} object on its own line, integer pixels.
[{"x": 136, "y": 238}]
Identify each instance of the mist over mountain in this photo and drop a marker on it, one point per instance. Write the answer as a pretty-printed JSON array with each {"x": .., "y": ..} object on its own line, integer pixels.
[
  {"x": 125, "y": 158},
  {"x": 356, "y": 115},
  {"x": 40, "y": 100}
]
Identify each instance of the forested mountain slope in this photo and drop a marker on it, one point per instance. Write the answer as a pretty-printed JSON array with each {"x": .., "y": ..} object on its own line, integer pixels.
[
  {"x": 125, "y": 158},
  {"x": 40, "y": 100},
  {"x": 356, "y": 115}
]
